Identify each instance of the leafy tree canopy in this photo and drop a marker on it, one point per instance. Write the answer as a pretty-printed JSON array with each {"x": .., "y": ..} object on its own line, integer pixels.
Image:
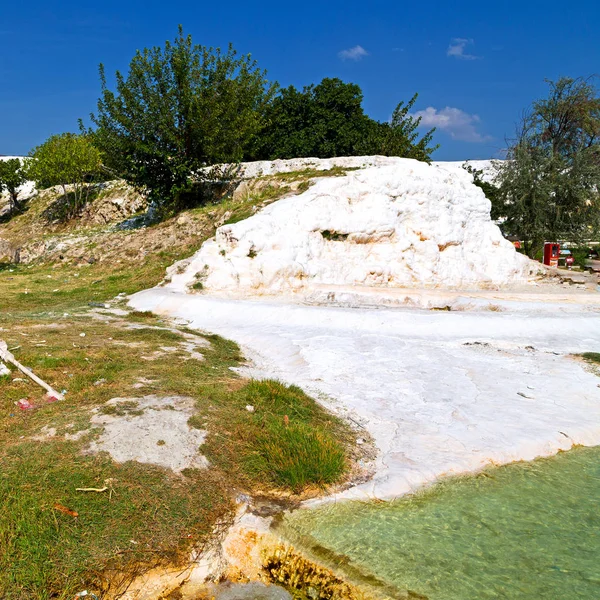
[
  {"x": 12, "y": 177},
  {"x": 68, "y": 160},
  {"x": 327, "y": 120},
  {"x": 180, "y": 108},
  {"x": 549, "y": 186}
]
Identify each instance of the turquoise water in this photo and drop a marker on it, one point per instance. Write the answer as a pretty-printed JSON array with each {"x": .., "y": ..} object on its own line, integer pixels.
[{"x": 526, "y": 531}]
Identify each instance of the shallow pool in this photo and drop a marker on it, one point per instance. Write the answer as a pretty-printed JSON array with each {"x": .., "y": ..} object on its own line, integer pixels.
[{"x": 524, "y": 531}]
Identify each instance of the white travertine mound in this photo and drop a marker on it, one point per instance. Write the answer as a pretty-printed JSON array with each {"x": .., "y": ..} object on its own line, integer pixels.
[{"x": 402, "y": 223}]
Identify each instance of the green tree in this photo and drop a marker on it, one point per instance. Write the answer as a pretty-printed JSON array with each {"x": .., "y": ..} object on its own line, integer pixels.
[
  {"x": 69, "y": 161},
  {"x": 400, "y": 137},
  {"x": 323, "y": 120},
  {"x": 549, "y": 186},
  {"x": 489, "y": 189},
  {"x": 328, "y": 119},
  {"x": 12, "y": 177},
  {"x": 180, "y": 109}
]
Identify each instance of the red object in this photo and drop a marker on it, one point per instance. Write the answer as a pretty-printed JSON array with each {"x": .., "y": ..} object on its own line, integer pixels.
[
  {"x": 25, "y": 404},
  {"x": 551, "y": 253},
  {"x": 67, "y": 511},
  {"x": 569, "y": 261},
  {"x": 517, "y": 244}
]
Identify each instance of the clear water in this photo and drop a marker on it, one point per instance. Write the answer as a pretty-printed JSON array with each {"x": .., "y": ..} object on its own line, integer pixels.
[
  {"x": 526, "y": 531},
  {"x": 247, "y": 591}
]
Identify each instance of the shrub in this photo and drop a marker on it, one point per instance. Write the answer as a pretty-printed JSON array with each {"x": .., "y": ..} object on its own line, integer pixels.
[
  {"x": 328, "y": 119},
  {"x": 69, "y": 161}
]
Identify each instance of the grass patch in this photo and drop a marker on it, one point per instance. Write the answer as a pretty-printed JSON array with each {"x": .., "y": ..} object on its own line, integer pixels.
[
  {"x": 312, "y": 173},
  {"x": 591, "y": 356},
  {"x": 127, "y": 407},
  {"x": 287, "y": 441},
  {"x": 140, "y": 315},
  {"x": 247, "y": 208},
  {"x": 149, "y": 520}
]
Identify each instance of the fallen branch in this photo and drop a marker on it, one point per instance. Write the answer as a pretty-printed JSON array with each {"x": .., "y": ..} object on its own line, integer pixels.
[
  {"x": 6, "y": 356},
  {"x": 108, "y": 485}
]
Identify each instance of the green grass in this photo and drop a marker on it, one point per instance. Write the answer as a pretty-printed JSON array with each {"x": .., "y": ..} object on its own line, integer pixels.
[
  {"x": 45, "y": 553},
  {"x": 50, "y": 289},
  {"x": 591, "y": 356},
  {"x": 310, "y": 173},
  {"x": 288, "y": 441},
  {"x": 149, "y": 520}
]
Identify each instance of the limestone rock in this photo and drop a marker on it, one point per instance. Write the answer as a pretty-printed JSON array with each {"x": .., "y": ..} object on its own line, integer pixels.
[{"x": 400, "y": 223}]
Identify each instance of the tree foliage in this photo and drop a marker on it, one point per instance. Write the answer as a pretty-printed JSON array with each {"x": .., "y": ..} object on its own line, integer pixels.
[
  {"x": 549, "y": 186},
  {"x": 179, "y": 109},
  {"x": 400, "y": 137},
  {"x": 489, "y": 189},
  {"x": 327, "y": 120},
  {"x": 69, "y": 161},
  {"x": 12, "y": 177}
]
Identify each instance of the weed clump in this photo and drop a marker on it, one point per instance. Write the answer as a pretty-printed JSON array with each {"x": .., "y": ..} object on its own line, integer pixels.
[
  {"x": 276, "y": 436},
  {"x": 334, "y": 236},
  {"x": 591, "y": 356}
]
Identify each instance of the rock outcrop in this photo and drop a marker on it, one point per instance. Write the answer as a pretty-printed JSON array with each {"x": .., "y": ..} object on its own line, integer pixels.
[{"x": 401, "y": 223}]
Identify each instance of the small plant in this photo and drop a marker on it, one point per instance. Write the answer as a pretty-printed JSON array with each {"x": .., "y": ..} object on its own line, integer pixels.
[
  {"x": 252, "y": 252},
  {"x": 591, "y": 356},
  {"x": 198, "y": 285},
  {"x": 334, "y": 236}
]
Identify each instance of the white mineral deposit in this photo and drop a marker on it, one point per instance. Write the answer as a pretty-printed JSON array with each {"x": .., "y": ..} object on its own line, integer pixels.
[
  {"x": 440, "y": 392},
  {"x": 402, "y": 224}
]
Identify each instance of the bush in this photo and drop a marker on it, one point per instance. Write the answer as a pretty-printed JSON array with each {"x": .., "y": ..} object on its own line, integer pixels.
[
  {"x": 12, "y": 177},
  {"x": 70, "y": 161}
]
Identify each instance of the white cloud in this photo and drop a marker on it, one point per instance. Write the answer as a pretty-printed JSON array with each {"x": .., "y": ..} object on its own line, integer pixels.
[
  {"x": 355, "y": 53},
  {"x": 457, "y": 49},
  {"x": 458, "y": 124}
]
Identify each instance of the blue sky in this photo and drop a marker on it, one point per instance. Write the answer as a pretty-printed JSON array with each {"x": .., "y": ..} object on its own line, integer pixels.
[{"x": 476, "y": 65}]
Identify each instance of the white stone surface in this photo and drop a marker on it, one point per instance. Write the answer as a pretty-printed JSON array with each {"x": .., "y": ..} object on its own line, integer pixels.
[
  {"x": 440, "y": 392},
  {"x": 261, "y": 168},
  {"x": 403, "y": 224},
  {"x": 160, "y": 435},
  {"x": 489, "y": 168}
]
